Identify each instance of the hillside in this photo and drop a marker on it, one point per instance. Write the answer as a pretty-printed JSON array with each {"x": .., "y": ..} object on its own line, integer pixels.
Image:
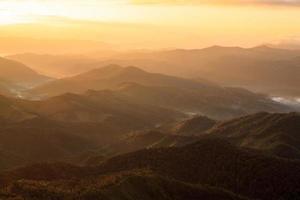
[
  {"x": 213, "y": 101},
  {"x": 39, "y": 140},
  {"x": 124, "y": 185},
  {"x": 101, "y": 106},
  {"x": 11, "y": 110},
  {"x": 210, "y": 162},
  {"x": 138, "y": 141},
  {"x": 71, "y": 127},
  {"x": 277, "y": 134},
  {"x": 5, "y": 88},
  {"x": 215, "y": 162},
  {"x": 194, "y": 126}
]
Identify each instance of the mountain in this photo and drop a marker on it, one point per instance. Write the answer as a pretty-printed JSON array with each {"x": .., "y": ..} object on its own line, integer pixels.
[
  {"x": 273, "y": 133},
  {"x": 93, "y": 106},
  {"x": 16, "y": 78},
  {"x": 110, "y": 77},
  {"x": 57, "y": 66},
  {"x": 20, "y": 74},
  {"x": 11, "y": 110},
  {"x": 101, "y": 106},
  {"x": 211, "y": 164},
  {"x": 213, "y": 101},
  {"x": 263, "y": 69},
  {"x": 181, "y": 94}
]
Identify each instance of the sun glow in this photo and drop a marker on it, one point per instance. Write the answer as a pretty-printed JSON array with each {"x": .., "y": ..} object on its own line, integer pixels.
[
  {"x": 14, "y": 11},
  {"x": 132, "y": 23}
]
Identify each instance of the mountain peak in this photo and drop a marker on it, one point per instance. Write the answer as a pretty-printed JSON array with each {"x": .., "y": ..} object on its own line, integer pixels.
[{"x": 262, "y": 47}]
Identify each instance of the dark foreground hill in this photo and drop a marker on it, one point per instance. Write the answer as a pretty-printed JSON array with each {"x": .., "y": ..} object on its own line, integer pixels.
[
  {"x": 124, "y": 185},
  {"x": 210, "y": 162}
]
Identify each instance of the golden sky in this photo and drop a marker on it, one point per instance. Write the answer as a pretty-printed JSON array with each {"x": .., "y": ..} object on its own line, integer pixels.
[{"x": 152, "y": 23}]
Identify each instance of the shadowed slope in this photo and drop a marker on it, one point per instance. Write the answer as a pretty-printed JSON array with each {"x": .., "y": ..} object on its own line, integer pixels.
[
  {"x": 274, "y": 133},
  {"x": 209, "y": 162}
]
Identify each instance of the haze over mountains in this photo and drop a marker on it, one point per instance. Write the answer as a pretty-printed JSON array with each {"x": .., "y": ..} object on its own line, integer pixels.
[
  {"x": 264, "y": 69},
  {"x": 166, "y": 91},
  {"x": 149, "y": 100},
  {"x": 153, "y": 130},
  {"x": 16, "y": 77}
]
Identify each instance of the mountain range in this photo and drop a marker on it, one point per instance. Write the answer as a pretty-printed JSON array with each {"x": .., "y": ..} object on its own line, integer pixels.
[
  {"x": 125, "y": 133},
  {"x": 264, "y": 69},
  {"x": 185, "y": 95}
]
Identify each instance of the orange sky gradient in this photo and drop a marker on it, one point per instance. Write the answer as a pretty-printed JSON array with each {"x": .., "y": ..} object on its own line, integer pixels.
[{"x": 151, "y": 24}]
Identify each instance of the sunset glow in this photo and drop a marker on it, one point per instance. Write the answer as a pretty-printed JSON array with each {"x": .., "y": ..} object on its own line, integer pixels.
[{"x": 133, "y": 23}]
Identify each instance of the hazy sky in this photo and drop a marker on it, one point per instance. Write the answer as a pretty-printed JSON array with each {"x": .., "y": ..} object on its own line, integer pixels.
[{"x": 153, "y": 23}]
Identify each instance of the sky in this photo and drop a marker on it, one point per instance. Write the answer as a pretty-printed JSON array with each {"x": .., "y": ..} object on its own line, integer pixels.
[{"x": 151, "y": 23}]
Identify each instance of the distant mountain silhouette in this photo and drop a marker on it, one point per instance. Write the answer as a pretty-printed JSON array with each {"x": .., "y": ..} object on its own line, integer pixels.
[
  {"x": 166, "y": 91},
  {"x": 56, "y": 65},
  {"x": 16, "y": 78},
  {"x": 264, "y": 69},
  {"x": 20, "y": 74},
  {"x": 110, "y": 77}
]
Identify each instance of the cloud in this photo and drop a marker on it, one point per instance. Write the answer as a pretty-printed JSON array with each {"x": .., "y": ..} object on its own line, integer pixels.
[{"x": 224, "y": 2}]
